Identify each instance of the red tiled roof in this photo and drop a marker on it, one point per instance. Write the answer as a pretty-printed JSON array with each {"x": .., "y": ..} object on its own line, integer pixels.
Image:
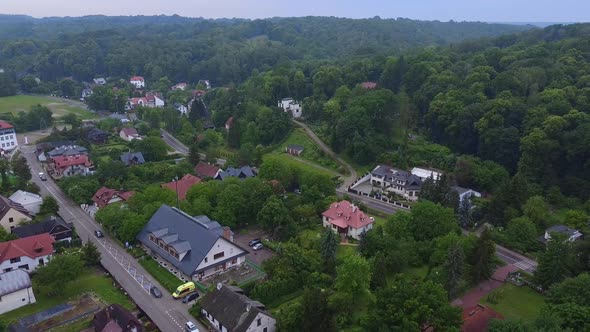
[
  {"x": 32, "y": 246},
  {"x": 369, "y": 85},
  {"x": 129, "y": 131},
  {"x": 206, "y": 170},
  {"x": 104, "y": 195},
  {"x": 62, "y": 162},
  {"x": 183, "y": 184},
  {"x": 5, "y": 125},
  {"x": 198, "y": 93},
  {"x": 136, "y": 78},
  {"x": 476, "y": 319},
  {"x": 344, "y": 214},
  {"x": 229, "y": 122}
]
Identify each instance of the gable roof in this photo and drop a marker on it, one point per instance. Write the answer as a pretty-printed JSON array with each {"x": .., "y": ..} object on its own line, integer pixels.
[
  {"x": 563, "y": 229},
  {"x": 6, "y": 204},
  {"x": 5, "y": 125},
  {"x": 45, "y": 226},
  {"x": 129, "y": 131},
  {"x": 116, "y": 318},
  {"x": 31, "y": 246},
  {"x": 63, "y": 162},
  {"x": 232, "y": 308},
  {"x": 128, "y": 158},
  {"x": 194, "y": 236},
  {"x": 67, "y": 150},
  {"x": 96, "y": 134},
  {"x": 345, "y": 214},
  {"x": 295, "y": 147},
  {"x": 103, "y": 196},
  {"x": 24, "y": 197},
  {"x": 206, "y": 170},
  {"x": 137, "y": 78},
  {"x": 242, "y": 173},
  {"x": 183, "y": 185},
  {"x": 14, "y": 281}
]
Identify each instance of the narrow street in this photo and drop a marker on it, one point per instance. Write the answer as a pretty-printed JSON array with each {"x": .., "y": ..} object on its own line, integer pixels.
[{"x": 168, "y": 314}]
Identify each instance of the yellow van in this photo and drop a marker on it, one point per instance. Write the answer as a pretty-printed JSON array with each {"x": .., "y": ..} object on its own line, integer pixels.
[{"x": 184, "y": 289}]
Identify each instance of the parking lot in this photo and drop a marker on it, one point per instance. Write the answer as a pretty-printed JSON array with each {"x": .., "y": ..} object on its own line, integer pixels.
[{"x": 244, "y": 236}]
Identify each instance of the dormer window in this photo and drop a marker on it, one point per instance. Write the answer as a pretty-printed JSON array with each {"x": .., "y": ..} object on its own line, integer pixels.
[{"x": 153, "y": 238}]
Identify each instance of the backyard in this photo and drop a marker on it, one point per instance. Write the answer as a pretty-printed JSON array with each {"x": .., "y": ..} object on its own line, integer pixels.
[
  {"x": 311, "y": 152},
  {"x": 516, "y": 302},
  {"x": 58, "y": 106}
]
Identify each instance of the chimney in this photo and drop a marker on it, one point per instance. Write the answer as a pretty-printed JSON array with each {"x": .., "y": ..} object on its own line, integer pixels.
[{"x": 228, "y": 234}]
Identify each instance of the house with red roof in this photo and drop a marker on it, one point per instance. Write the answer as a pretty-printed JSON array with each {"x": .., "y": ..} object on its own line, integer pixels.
[
  {"x": 7, "y": 136},
  {"x": 27, "y": 253},
  {"x": 205, "y": 170},
  {"x": 129, "y": 134},
  {"x": 105, "y": 196},
  {"x": 369, "y": 85},
  {"x": 137, "y": 81},
  {"x": 71, "y": 165},
  {"x": 12, "y": 213},
  {"x": 345, "y": 218},
  {"x": 154, "y": 100},
  {"x": 182, "y": 186}
]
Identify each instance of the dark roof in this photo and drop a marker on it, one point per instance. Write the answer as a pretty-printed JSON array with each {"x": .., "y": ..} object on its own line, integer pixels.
[
  {"x": 389, "y": 174},
  {"x": 113, "y": 316},
  {"x": 6, "y": 204},
  {"x": 562, "y": 229},
  {"x": 295, "y": 147},
  {"x": 232, "y": 308},
  {"x": 52, "y": 145},
  {"x": 45, "y": 226},
  {"x": 67, "y": 150},
  {"x": 96, "y": 134},
  {"x": 242, "y": 173},
  {"x": 129, "y": 158},
  {"x": 193, "y": 235}
]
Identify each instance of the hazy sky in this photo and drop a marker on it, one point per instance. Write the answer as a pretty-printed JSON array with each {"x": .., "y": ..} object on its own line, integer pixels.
[{"x": 444, "y": 10}]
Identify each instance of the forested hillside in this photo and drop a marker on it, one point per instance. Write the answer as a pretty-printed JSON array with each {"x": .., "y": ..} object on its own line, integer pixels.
[{"x": 222, "y": 51}]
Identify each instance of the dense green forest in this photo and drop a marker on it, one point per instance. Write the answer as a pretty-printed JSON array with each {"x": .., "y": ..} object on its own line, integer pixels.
[{"x": 222, "y": 51}]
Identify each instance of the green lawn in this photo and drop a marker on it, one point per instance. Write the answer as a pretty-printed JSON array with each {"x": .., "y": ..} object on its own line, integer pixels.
[
  {"x": 288, "y": 160},
  {"x": 517, "y": 302},
  {"x": 418, "y": 272},
  {"x": 164, "y": 277},
  {"x": 88, "y": 282},
  {"x": 345, "y": 251},
  {"x": 311, "y": 151},
  {"x": 21, "y": 103}
]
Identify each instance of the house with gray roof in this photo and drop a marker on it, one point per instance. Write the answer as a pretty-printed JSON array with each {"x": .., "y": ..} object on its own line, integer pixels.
[
  {"x": 16, "y": 290},
  {"x": 241, "y": 173},
  {"x": 197, "y": 246},
  {"x": 228, "y": 309},
  {"x": 132, "y": 158},
  {"x": 465, "y": 193},
  {"x": 397, "y": 181},
  {"x": 570, "y": 234}
]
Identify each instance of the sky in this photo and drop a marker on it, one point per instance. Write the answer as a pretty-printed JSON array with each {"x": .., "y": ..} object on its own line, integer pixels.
[{"x": 443, "y": 10}]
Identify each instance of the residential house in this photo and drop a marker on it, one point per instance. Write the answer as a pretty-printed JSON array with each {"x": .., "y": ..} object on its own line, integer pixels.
[
  {"x": 182, "y": 186},
  {"x": 64, "y": 150},
  {"x": 132, "y": 103},
  {"x": 368, "y": 85},
  {"x": 99, "y": 81},
  {"x": 154, "y": 100},
  {"x": 196, "y": 246},
  {"x": 397, "y": 181},
  {"x": 291, "y": 106},
  {"x": 181, "y": 108},
  {"x": 229, "y": 123},
  {"x": 137, "y": 81},
  {"x": 115, "y": 318},
  {"x": 31, "y": 202},
  {"x": 12, "y": 213},
  {"x": 132, "y": 158},
  {"x": 105, "y": 196},
  {"x": 199, "y": 93},
  {"x": 129, "y": 134},
  {"x": 26, "y": 253},
  {"x": 345, "y": 218},
  {"x": 240, "y": 173},
  {"x": 229, "y": 310},
  {"x": 206, "y": 83},
  {"x": 205, "y": 170},
  {"x": 570, "y": 234},
  {"x": 16, "y": 290},
  {"x": 425, "y": 173},
  {"x": 64, "y": 166},
  {"x": 53, "y": 225},
  {"x": 7, "y": 136},
  {"x": 179, "y": 86},
  {"x": 97, "y": 136},
  {"x": 87, "y": 92},
  {"x": 465, "y": 193},
  {"x": 294, "y": 149}
]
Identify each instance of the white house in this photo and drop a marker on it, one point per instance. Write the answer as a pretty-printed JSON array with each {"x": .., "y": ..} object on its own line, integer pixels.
[
  {"x": 291, "y": 106},
  {"x": 425, "y": 173},
  {"x": 466, "y": 193},
  {"x": 228, "y": 310},
  {"x": 196, "y": 246},
  {"x": 344, "y": 218},
  {"x": 179, "y": 86},
  {"x": 11, "y": 214},
  {"x": 570, "y": 233},
  {"x": 397, "y": 181},
  {"x": 181, "y": 108},
  {"x": 16, "y": 290},
  {"x": 137, "y": 81},
  {"x": 154, "y": 100},
  {"x": 99, "y": 81},
  {"x": 31, "y": 202},
  {"x": 7, "y": 136},
  {"x": 129, "y": 134},
  {"x": 26, "y": 253}
]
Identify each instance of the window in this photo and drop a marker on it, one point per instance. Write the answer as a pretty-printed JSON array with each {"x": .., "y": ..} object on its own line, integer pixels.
[
  {"x": 219, "y": 255},
  {"x": 26, "y": 267},
  {"x": 11, "y": 143},
  {"x": 264, "y": 329},
  {"x": 8, "y": 269},
  {"x": 258, "y": 322},
  {"x": 234, "y": 261},
  {"x": 153, "y": 238},
  {"x": 206, "y": 259},
  {"x": 11, "y": 219},
  {"x": 15, "y": 260},
  {"x": 41, "y": 262}
]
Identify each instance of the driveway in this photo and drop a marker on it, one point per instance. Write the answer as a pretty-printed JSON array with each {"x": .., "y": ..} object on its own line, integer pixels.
[{"x": 244, "y": 236}]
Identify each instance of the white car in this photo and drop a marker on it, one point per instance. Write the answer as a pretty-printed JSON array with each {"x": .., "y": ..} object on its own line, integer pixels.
[
  {"x": 257, "y": 246},
  {"x": 190, "y": 327}
]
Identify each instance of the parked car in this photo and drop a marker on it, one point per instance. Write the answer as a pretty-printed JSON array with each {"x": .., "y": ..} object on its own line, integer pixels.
[
  {"x": 258, "y": 246},
  {"x": 254, "y": 242},
  {"x": 297, "y": 191},
  {"x": 190, "y": 297},
  {"x": 155, "y": 291},
  {"x": 42, "y": 176},
  {"x": 190, "y": 327},
  {"x": 98, "y": 233}
]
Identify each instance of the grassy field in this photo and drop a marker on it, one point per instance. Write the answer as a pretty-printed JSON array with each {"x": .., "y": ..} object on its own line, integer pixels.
[
  {"x": 345, "y": 251},
  {"x": 21, "y": 103},
  {"x": 88, "y": 282},
  {"x": 165, "y": 278},
  {"x": 310, "y": 153},
  {"x": 517, "y": 302}
]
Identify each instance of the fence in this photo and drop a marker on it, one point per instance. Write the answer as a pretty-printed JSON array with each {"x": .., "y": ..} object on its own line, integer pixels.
[{"x": 380, "y": 198}]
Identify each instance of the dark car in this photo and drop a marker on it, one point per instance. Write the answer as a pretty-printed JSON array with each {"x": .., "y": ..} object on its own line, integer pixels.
[
  {"x": 190, "y": 297},
  {"x": 155, "y": 291},
  {"x": 42, "y": 176},
  {"x": 254, "y": 242},
  {"x": 98, "y": 233}
]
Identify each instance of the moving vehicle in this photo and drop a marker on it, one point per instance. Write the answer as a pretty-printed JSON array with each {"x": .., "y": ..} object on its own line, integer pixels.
[
  {"x": 254, "y": 242},
  {"x": 258, "y": 246},
  {"x": 42, "y": 176},
  {"x": 98, "y": 233},
  {"x": 155, "y": 291},
  {"x": 190, "y": 297},
  {"x": 183, "y": 290},
  {"x": 190, "y": 327}
]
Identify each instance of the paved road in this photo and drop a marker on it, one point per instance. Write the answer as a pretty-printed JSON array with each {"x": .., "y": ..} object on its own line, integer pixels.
[
  {"x": 524, "y": 263},
  {"x": 167, "y": 313},
  {"x": 174, "y": 143}
]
